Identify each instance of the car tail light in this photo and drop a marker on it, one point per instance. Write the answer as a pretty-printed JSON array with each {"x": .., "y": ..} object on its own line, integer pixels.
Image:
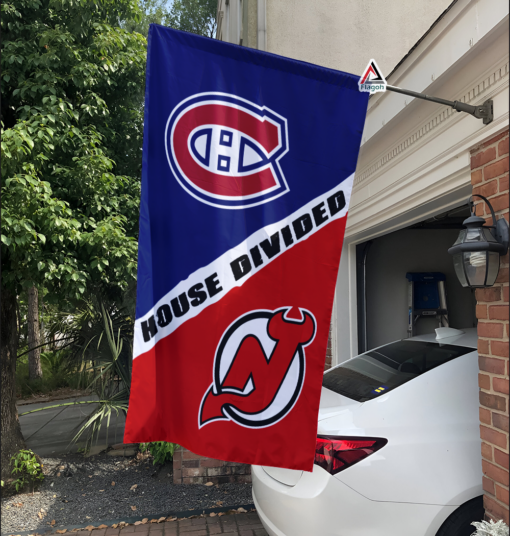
[{"x": 334, "y": 454}]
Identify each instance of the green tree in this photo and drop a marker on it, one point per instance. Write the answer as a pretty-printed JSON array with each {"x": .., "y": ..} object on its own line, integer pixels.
[
  {"x": 151, "y": 12},
  {"x": 72, "y": 87},
  {"x": 196, "y": 16}
]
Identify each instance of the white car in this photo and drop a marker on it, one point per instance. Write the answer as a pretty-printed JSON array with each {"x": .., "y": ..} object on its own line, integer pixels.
[{"x": 398, "y": 448}]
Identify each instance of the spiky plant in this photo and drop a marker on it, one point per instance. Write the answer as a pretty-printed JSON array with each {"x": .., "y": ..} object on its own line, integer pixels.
[{"x": 489, "y": 528}]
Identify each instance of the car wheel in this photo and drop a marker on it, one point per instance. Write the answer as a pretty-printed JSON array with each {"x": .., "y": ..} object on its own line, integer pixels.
[{"x": 459, "y": 523}]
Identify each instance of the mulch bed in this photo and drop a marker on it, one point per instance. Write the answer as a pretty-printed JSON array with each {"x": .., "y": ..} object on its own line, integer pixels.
[{"x": 78, "y": 490}]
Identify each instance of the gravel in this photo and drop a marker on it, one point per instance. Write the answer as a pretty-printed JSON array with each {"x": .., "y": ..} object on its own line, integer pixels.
[{"x": 101, "y": 488}]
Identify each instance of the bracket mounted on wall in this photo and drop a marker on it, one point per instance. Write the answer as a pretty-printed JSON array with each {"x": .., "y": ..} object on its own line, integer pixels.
[{"x": 483, "y": 111}]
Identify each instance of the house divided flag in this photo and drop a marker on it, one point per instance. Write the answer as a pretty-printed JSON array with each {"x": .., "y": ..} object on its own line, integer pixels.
[{"x": 248, "y": 163}]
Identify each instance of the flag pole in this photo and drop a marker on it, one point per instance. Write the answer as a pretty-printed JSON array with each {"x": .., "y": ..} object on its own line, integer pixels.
[{"x": 484, "y": 111}]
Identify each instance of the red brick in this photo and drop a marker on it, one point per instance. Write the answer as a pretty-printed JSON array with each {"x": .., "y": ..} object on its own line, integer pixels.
[
  {"x": 476, "y": 177},
  {"x": 479, "y": 207},
  {"x": 495, "y": 509},
  {"x": 199, "y": 521},
  {"x": 503, "y": 184},
  {"x": 500, "y": 385},
  {"x": 506, "y": 293},
  {"x": 490, "y": 364},
  {"x": 499, "y": 203},
  {"x": 493, "y": 140},
  {"x": 193, "y": 531},
  {"x": 483, "y": 157},
  {"x": 211, "y": 463},
  {"x": 493, "y": 401},
  {"x": 193, "y": 471},
  {"x": 503, "y": 147},
  {"x": 500, "y": 421},
  {"x": 493, "y": 436},
  {"x": 495, "y": 170},
  {"x": 488, "y": 485},
  {"x": 499, "y": 348},
  {"x": 484, "y": 382},
  {"x": 487, "y": 451},
  {"x": 481, "y": 312},
  {"x": 177, "y": 476},
  {"x": 483, "y": 346},
  {"x": 502, "y": 494},
  {"x": 490, "y": 330},
  {"x": 501, "y": 458},
  {"x": 486, "y": 189},
  {"x": 497, "y": 312},
  {"x": 505, "y": 258},
  {"x": 188, "y": 455},
  {"x": 491, "y": 294},
  {"x": 191, "y": 463},
  {"x": 485, "y": 416},
  {"x": 495, "y": 473},
  {"x": 502, "y": 276}
]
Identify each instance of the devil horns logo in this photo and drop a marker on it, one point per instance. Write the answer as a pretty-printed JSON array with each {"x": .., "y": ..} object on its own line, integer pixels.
[{"x": 259, "y": 368}]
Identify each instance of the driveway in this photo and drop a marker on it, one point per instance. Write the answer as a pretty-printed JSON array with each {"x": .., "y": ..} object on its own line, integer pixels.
[{"x": 50, "y": 432}]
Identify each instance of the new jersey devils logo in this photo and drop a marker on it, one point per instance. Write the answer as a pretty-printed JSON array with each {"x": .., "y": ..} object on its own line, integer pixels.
[
  {"x": 259, "y": 368},
  {"x": 225, "y": 150}
]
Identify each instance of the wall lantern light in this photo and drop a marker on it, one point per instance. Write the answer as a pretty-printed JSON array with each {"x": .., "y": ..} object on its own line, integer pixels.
[{"x": 478, "y": 248}]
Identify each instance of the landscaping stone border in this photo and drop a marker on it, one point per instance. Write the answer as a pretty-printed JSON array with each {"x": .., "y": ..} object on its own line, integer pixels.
[{"x": 137, "y": 521}]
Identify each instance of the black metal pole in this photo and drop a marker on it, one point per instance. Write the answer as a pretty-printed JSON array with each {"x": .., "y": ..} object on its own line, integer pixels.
[{"x": 484, "y": 111}]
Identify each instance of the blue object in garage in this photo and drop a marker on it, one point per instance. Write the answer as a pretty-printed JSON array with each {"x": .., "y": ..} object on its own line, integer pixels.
[{"x": 426, "y": 297}]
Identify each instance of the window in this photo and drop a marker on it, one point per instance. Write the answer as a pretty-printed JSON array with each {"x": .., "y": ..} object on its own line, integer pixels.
[{"x": 373, "y": 373}]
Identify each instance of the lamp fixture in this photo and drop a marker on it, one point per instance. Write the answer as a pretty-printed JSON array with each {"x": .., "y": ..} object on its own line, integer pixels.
[{"x": 478, "y": 248}]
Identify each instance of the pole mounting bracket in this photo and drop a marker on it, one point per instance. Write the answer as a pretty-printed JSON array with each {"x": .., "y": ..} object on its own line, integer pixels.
[{"x": 483, "y": 111}]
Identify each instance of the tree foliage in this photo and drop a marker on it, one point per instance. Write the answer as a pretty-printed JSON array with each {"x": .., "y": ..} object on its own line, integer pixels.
[
  {"x": 72, "y": 119},
  {"x": 195, "y": 16},
  {"x": 72, "y": 87},
  {"x": 151, "y": 12}
]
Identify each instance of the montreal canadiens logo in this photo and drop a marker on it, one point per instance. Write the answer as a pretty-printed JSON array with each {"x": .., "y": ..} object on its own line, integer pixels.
[
  {"x": 259, "y": 368},
  {"x": 225, "y": 150}
]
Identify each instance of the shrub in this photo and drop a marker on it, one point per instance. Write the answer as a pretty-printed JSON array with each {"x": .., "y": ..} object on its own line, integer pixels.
[
  {"x": 484, "y": 528},
  {"x": 161, "y": 451},
  {"x": 26, "y": 468}
]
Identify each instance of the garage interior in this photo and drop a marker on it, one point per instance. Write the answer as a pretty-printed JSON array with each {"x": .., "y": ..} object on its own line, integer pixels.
[{"x": 382, "y": 287}]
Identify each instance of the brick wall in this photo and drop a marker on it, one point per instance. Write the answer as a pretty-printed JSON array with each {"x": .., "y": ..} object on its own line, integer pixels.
[
  {"x": 489, "y": 176},
  {"x": 191, "y": 468},
  {"x": 329, "y": 352}
]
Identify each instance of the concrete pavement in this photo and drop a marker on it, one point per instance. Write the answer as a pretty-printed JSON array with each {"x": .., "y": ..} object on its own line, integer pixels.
[{"x": 50, "y": 432}]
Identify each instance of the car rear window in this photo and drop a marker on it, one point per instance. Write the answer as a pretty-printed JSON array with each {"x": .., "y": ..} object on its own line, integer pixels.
[{"x": 369, "y": 375}]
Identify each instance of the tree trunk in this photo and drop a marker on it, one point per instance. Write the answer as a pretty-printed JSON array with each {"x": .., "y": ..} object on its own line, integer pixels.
[
  {"x": 34, "y": 338},
  {"x": 11, "y": 438}
]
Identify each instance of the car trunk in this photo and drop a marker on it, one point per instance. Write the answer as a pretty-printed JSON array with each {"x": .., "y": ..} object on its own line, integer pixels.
[{"x": 331, "y": 404}]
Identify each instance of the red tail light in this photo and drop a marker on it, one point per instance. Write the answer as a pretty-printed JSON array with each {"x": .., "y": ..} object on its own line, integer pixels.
[{"x": 334, "y": 454}]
